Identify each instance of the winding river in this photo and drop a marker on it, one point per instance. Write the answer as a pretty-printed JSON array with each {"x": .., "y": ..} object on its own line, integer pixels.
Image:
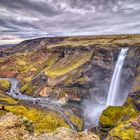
[{"x": 43, "y": 102}]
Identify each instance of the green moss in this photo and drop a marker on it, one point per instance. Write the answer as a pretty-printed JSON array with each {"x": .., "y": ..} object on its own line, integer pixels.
[
  {"x": 2, "y": 112},
  {"x": 113, "y": 115},
  {"x": 28, "y": 126},
  {"x": 82, "y": 79},
  {"x": 24, "y": 88},
  {"x": 77, "y": 121},
  {"x": 125, "y": 130},
  {"x": 28, "y": 89},
  {"x": 68, "y": 64},
  {"x": 52, "y": 59},
  {"x": 128, "y": 134},
  {"x": 5, "y": 84},
  {"x": 5, "y": 99},
  {"x": 27, "y": 79}
]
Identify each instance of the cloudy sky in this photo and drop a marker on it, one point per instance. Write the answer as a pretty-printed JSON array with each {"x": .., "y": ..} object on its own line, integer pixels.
[{"x": 24, "y": 19}]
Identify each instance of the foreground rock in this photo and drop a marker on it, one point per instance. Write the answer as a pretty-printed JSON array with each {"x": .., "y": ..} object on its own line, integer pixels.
[
  {"x": 65, "y": 134},
  {"x": 120, "y": 123},
  {"x": 13, "y": 127},
  {"x": 128, "y": 130}
]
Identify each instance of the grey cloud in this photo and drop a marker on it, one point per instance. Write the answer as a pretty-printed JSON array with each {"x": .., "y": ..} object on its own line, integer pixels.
[
  {"x": 39, "y": 18},
  {"x": 29, "y": 7}
]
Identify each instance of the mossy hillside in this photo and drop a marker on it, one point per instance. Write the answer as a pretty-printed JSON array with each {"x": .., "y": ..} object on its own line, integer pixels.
[
  {"x": 2, "y": 112},
  {"x": 76, "y": 76},
  {"x": 78, "y": 122},
  {"x": 4, "y": 85},
  {"x": 26, "y": 66},
  {"x": 52, "y": 59},
  {"x": 69, "y": 78},
  {"x": 5, "y": 100},
  {"x": 127, "y": 130},
  {"x": 28, "y": 89},
  {"x": 112, "y": 116},
  {"x": 67, "y": 64},
  {"x": 23, "y": 66}
]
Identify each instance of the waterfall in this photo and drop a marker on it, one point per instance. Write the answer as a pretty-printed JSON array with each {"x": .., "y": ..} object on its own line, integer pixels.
[
  {"x": 112, "y": 99},
  {"x": 93, "y": 110}
]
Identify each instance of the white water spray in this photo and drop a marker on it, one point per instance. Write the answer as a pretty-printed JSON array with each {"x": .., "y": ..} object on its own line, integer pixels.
[{"x": 113, "y": 93}]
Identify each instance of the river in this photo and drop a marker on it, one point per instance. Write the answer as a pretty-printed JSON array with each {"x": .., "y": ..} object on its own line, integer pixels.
[{"x": 44, "y": 102}]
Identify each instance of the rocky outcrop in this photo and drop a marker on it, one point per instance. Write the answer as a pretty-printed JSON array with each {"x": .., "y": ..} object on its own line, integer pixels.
[
  {"x": 121, "y": 122},
  {"x": 112, "y": 117},
  {"x": 13, "y": 127},
  {"x": 129, "y": 130}
]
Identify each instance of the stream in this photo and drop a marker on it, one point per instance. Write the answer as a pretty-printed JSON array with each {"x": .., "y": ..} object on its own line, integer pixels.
[{"x": 43, "y": 102}]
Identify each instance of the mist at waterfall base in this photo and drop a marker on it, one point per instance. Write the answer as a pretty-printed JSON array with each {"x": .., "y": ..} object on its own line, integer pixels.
[{"x": 116, "y": 95}]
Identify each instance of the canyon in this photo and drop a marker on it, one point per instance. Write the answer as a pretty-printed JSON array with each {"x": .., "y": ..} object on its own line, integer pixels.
[{"x": 74, "y": 73}]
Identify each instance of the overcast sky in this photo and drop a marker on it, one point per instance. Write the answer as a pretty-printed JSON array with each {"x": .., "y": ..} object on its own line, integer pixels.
[{"x": 24, "y": 19}]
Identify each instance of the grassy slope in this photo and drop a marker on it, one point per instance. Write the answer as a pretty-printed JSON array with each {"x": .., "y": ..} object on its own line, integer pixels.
[
  {"x": 4, "y": 84},
  {"x": 67, "y": 64}
]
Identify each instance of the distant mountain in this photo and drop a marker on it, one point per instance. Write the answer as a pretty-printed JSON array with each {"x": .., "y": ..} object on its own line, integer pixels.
[{"x": 7, "y": 45}]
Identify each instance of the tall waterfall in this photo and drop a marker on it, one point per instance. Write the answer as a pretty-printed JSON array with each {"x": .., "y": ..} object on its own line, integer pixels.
[
  {"x": 115, "y": 82},
  {"x": 94, "y": 109}
]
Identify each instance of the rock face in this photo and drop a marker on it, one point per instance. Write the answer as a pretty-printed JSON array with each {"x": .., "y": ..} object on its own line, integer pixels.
[{"x": 13, "y": 128}]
